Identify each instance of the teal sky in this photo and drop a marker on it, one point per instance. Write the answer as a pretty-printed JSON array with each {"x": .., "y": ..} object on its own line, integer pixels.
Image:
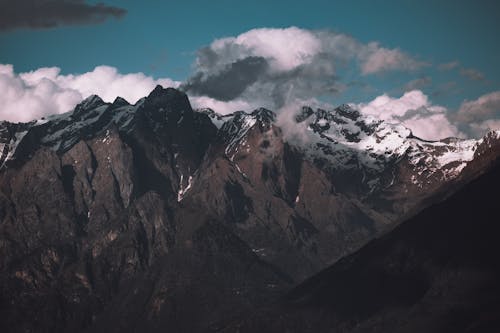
[{"x": 161, "y": 38}]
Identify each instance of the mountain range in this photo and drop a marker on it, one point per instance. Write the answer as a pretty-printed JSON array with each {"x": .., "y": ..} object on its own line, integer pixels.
[
  {"x": 155, "y": 216},
  {"x": 436, "y": 272}
]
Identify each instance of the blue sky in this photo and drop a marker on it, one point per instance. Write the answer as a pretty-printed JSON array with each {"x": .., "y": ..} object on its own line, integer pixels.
[{"x": 162, "y": 38}]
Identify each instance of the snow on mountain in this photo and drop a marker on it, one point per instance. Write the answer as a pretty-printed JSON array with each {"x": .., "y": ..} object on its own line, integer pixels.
[
  {"x": 217, "y": 119},
  {"x": 343, "y": 137},
  {"x": 348, "y": 140},
  {"x": 61, "y": 132},
  {"x": 344, "y": 132}
]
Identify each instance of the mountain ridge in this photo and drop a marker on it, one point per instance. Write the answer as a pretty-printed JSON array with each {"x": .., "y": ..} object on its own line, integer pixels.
[
  {"x": 98, "y": 204},
  {"x": 324, "y": 119}
]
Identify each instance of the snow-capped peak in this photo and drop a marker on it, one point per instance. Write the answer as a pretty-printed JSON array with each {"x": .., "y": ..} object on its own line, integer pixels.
[
  {"x": 61, "y": 132},
  {"x": 349, "y": 140},
  {"x": 343, "y": 137},
  {"x": 90, "y": 102}
]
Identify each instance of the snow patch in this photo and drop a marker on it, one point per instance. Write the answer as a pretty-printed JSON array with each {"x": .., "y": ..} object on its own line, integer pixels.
[{"x": 182, "y": 191}]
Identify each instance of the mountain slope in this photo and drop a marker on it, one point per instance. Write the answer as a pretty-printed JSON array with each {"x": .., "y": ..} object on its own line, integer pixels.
[
  {"x": 328, "y": 191},
  {"x": 437, "y": 272}
]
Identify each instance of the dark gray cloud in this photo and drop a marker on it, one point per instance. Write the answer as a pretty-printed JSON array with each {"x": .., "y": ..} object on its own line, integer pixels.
[
  {"x": 230, "y": 82},
  {"x": 41, "y": 14},
  {"x": 303, "y": 82}
]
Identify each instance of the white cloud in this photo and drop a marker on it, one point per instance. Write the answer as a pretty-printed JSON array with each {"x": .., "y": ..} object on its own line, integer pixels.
[
  {"x": 431, "y": 126},
  {"x": 285, "y": 48},
  {"x": 220, "y": 106},
  {"x": 481, "y": 114},
  {"x": 387, "y": 108},
  {"x": 415, "y": 111},
  {"x": 379, "y": 59},
  {"x": 276, "y": 65},
  {"x": 291, "y": 47},
  {"x": 28, "y": 96}
]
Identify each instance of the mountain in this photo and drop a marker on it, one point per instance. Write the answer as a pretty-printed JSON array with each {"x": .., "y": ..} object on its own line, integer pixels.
[
  {"x": 437, "y": 272},
  {"x": 119, "y": 217},
  {"x": 328, "y": 182}
]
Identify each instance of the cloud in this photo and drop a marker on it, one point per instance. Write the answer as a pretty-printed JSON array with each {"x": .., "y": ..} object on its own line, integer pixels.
[
  {"x": 379, "y": 59},
  {"x": 283, "y": 68},
  {"x": 231, "y": 81},
  {"x": 199, "y": 102},
  {"x": 445, "y": 89},
  {"x": 449, "y": 65},
  {"x": 415, "y": 111},
  {"x": 42, "y": 14},
  {"x": 45, "y": 91},
  {"x": 279, "y": 69},
  {"x": 418, "y": 83},
  {"x": 286, "y": 49},
  {"x": 480, "y": 115},
  {"x": 270, "y": 67},
  {"x": 472, "y": 74}
]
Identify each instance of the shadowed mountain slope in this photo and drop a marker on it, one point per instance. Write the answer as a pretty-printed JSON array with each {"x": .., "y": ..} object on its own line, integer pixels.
[{"x": 437, "y": 272}]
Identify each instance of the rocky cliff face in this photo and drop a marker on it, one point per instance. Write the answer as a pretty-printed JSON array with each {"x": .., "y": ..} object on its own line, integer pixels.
[{"x": 154, "y": 215}]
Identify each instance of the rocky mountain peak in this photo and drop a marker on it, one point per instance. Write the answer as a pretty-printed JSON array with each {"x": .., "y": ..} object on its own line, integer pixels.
[
  {"x": 168, "y": 99},
  {"x": 486, "y": 153},
  {"x": 91, "y": 102},
  {"x": 304, "y": 113},
  {"x": 264, "y": 115},
  {"x": 167, "y": 112},
  {"x": 347, "y": 111},
  {"x": 120, "y": 101}
]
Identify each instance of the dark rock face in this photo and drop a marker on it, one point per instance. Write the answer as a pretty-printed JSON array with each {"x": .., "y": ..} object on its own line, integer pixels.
[
  {"x": 119, "y": 217},
  {"x": 88, "y": 215},
  {"x": 437, "y": 272},
  {"x": 92, "y": 232}
]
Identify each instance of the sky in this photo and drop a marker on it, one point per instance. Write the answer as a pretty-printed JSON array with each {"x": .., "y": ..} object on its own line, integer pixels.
[{"x": 431, "y": 65}]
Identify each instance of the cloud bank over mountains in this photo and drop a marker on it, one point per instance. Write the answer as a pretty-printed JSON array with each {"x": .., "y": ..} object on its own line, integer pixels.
[
  {"x": 415, "y": 111},
  {"x": 32, "y": 95},
  {"x": 275, "y": 68}
]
